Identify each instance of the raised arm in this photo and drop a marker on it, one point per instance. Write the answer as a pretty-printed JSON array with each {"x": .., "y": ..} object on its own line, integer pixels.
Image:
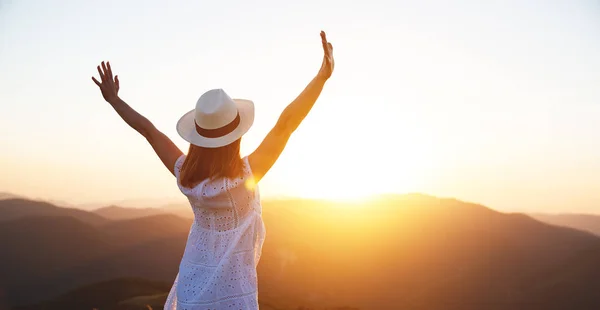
[
  {"x": 267, "y": 153},
  {"x": 166, "y": 150}
]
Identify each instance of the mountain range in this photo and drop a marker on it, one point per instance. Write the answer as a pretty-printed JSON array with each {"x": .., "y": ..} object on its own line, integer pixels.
[
  {"x": 398, "y": 252},
  {"x": 585, "y": 222}
]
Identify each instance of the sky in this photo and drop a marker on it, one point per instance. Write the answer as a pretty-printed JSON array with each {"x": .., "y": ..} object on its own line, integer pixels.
[{"x": 495, "y": 102}]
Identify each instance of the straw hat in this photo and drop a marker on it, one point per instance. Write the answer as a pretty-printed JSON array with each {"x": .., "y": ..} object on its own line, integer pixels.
[{"x": 217, "y": 120}]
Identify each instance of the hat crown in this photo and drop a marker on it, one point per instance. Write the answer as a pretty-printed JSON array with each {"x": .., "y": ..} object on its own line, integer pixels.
[{"x": 215, "y": 109}]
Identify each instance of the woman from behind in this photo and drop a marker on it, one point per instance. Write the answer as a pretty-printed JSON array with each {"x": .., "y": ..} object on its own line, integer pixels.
[{"x": 218, "y": 267}]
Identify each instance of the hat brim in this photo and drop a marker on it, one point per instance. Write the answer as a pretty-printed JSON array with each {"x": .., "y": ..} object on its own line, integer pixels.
[{"x": 186, "y": 127}]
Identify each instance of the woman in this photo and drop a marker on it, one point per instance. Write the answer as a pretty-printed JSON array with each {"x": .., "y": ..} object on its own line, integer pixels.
[{"x": 218, "y": 267}]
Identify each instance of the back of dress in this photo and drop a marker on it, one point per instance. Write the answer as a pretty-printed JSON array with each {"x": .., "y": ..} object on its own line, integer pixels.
[{"x": 218, "y": 268}]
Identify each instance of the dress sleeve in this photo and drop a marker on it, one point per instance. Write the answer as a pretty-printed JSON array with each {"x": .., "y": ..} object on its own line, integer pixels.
[
  {"x": 178, "y": 165},
  {"x": 247, "y": 168}
]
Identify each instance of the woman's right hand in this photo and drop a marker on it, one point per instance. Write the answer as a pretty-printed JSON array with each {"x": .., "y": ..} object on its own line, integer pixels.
[{"x": 109, "y": 85}]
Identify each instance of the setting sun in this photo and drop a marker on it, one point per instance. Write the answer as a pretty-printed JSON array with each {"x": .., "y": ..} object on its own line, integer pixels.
[{"x": 352, "y": 176}]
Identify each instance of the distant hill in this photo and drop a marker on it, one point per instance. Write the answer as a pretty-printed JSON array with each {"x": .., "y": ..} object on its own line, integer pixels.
[
  {"x": 573, "y": 284},
  {"x": 15, "y": 208},
  {"x": 120, "y": 213},
  {"x": 153, "y": 203},
  {"x": 140, "y": 230},
  {"x": 37, "y": 249},
  {"x": 53, "y": 254},
  {"x": 123, "y": 213},
  {"x": 182, "y": 210},
  {"x": 104, "y": 295},
  {"x": 398, "y": 252},
  {"x": 5, "y": 195},
  {"x": 123, "y": 294},
  {"x": 420, "y": 252},
  {"x": 585, "y": 222}
]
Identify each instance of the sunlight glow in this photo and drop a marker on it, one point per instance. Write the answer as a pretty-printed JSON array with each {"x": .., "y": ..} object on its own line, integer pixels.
[
  {"x": 250, "y": 183},
  {"x": 438, "y": 98},
  {"x": 353, "y": 185}
]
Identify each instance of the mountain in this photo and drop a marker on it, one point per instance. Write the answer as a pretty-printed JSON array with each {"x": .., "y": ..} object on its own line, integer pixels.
[
  {"x": 120, "y": 213},
  {"x": 123, "y": 213},
  {"x": 182, "y": 209},
  {"x": 572, "y": 285},
  {"x": 4, "y": 195},
  {"x": 397, "y": 252},
  {"x": 105, "y": 295},
  {"x": 122, "y": 294},
  {"x": 418, "y": 252},
  {"x": 140, "y": 230},
  {"x": 53, "y": 254},
  {"x": 11, "y": 209},
  {"x": 585, "y": 222},
  {"x": 37, "y": 249},
  {"x": 154, "y": 203}
]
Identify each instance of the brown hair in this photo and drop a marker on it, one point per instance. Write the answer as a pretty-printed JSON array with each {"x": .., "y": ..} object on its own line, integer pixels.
[{"x": 204, "y": 163}]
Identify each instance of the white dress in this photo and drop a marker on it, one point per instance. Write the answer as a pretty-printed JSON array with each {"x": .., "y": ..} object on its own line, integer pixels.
[{"x": 218, "y": 267}]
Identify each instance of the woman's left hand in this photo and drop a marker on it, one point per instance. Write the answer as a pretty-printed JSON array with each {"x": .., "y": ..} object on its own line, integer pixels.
[
  {"x": 328, "y": 62},
  {"x": 109, "y": 86}
]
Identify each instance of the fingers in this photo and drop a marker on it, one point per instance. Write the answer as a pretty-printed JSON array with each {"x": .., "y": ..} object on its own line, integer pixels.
[
  {"x": 109, "y": 74},
  {"x": 101, "y": 74},
  {"x": 106, "y": 77},
  {"x": 96, "y": 81},
  {"x": 327, "y": 65},
  {"x": 324, "y": 41},
  {"x": 327, "y": 47},
  {"x": 117, "y": 82}
]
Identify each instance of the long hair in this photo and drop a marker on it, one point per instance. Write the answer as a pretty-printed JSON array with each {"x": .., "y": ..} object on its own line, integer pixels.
[{"x": 210, "y": 163}]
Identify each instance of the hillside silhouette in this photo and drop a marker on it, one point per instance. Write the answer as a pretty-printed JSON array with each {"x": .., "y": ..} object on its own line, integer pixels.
[
  {"x": 127, "y": 294},
  {"x": 395, "y": 252},
  {"x": 124, "y": 213},
  {"x": 5, "y": 195},
  {"x": 15, "y": 208},
  {"x": 54, "y": 254},
  {"x": 121, "y": 213},
  {"x": 107, "y": 295},
  {"x": 585, "y": 222},
  {"x": 140, "y": 230}
]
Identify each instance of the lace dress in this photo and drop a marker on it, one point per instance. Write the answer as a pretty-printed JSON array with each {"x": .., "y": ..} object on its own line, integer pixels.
[{"x": 218, "y": 267}]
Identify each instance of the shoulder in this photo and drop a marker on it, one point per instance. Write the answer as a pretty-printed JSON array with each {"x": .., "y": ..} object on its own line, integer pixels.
[
  {"x": 246, "y": 166},
  {"x": 248, "y": 173},
  {"x": 178, "y": 165}
]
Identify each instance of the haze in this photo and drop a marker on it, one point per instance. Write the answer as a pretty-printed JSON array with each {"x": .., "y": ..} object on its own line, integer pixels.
[{"x": 489, "y": 101}]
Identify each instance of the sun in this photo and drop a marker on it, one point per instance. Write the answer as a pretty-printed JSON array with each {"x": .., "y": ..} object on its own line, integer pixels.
[
  {"x": 353, "y": 185},
  {"x": 335, "y": 193},
  {"x": 349, "y": 172}
]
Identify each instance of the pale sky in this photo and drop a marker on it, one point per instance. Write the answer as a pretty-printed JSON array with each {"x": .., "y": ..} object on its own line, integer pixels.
[{"x": 496, "y": 102}]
